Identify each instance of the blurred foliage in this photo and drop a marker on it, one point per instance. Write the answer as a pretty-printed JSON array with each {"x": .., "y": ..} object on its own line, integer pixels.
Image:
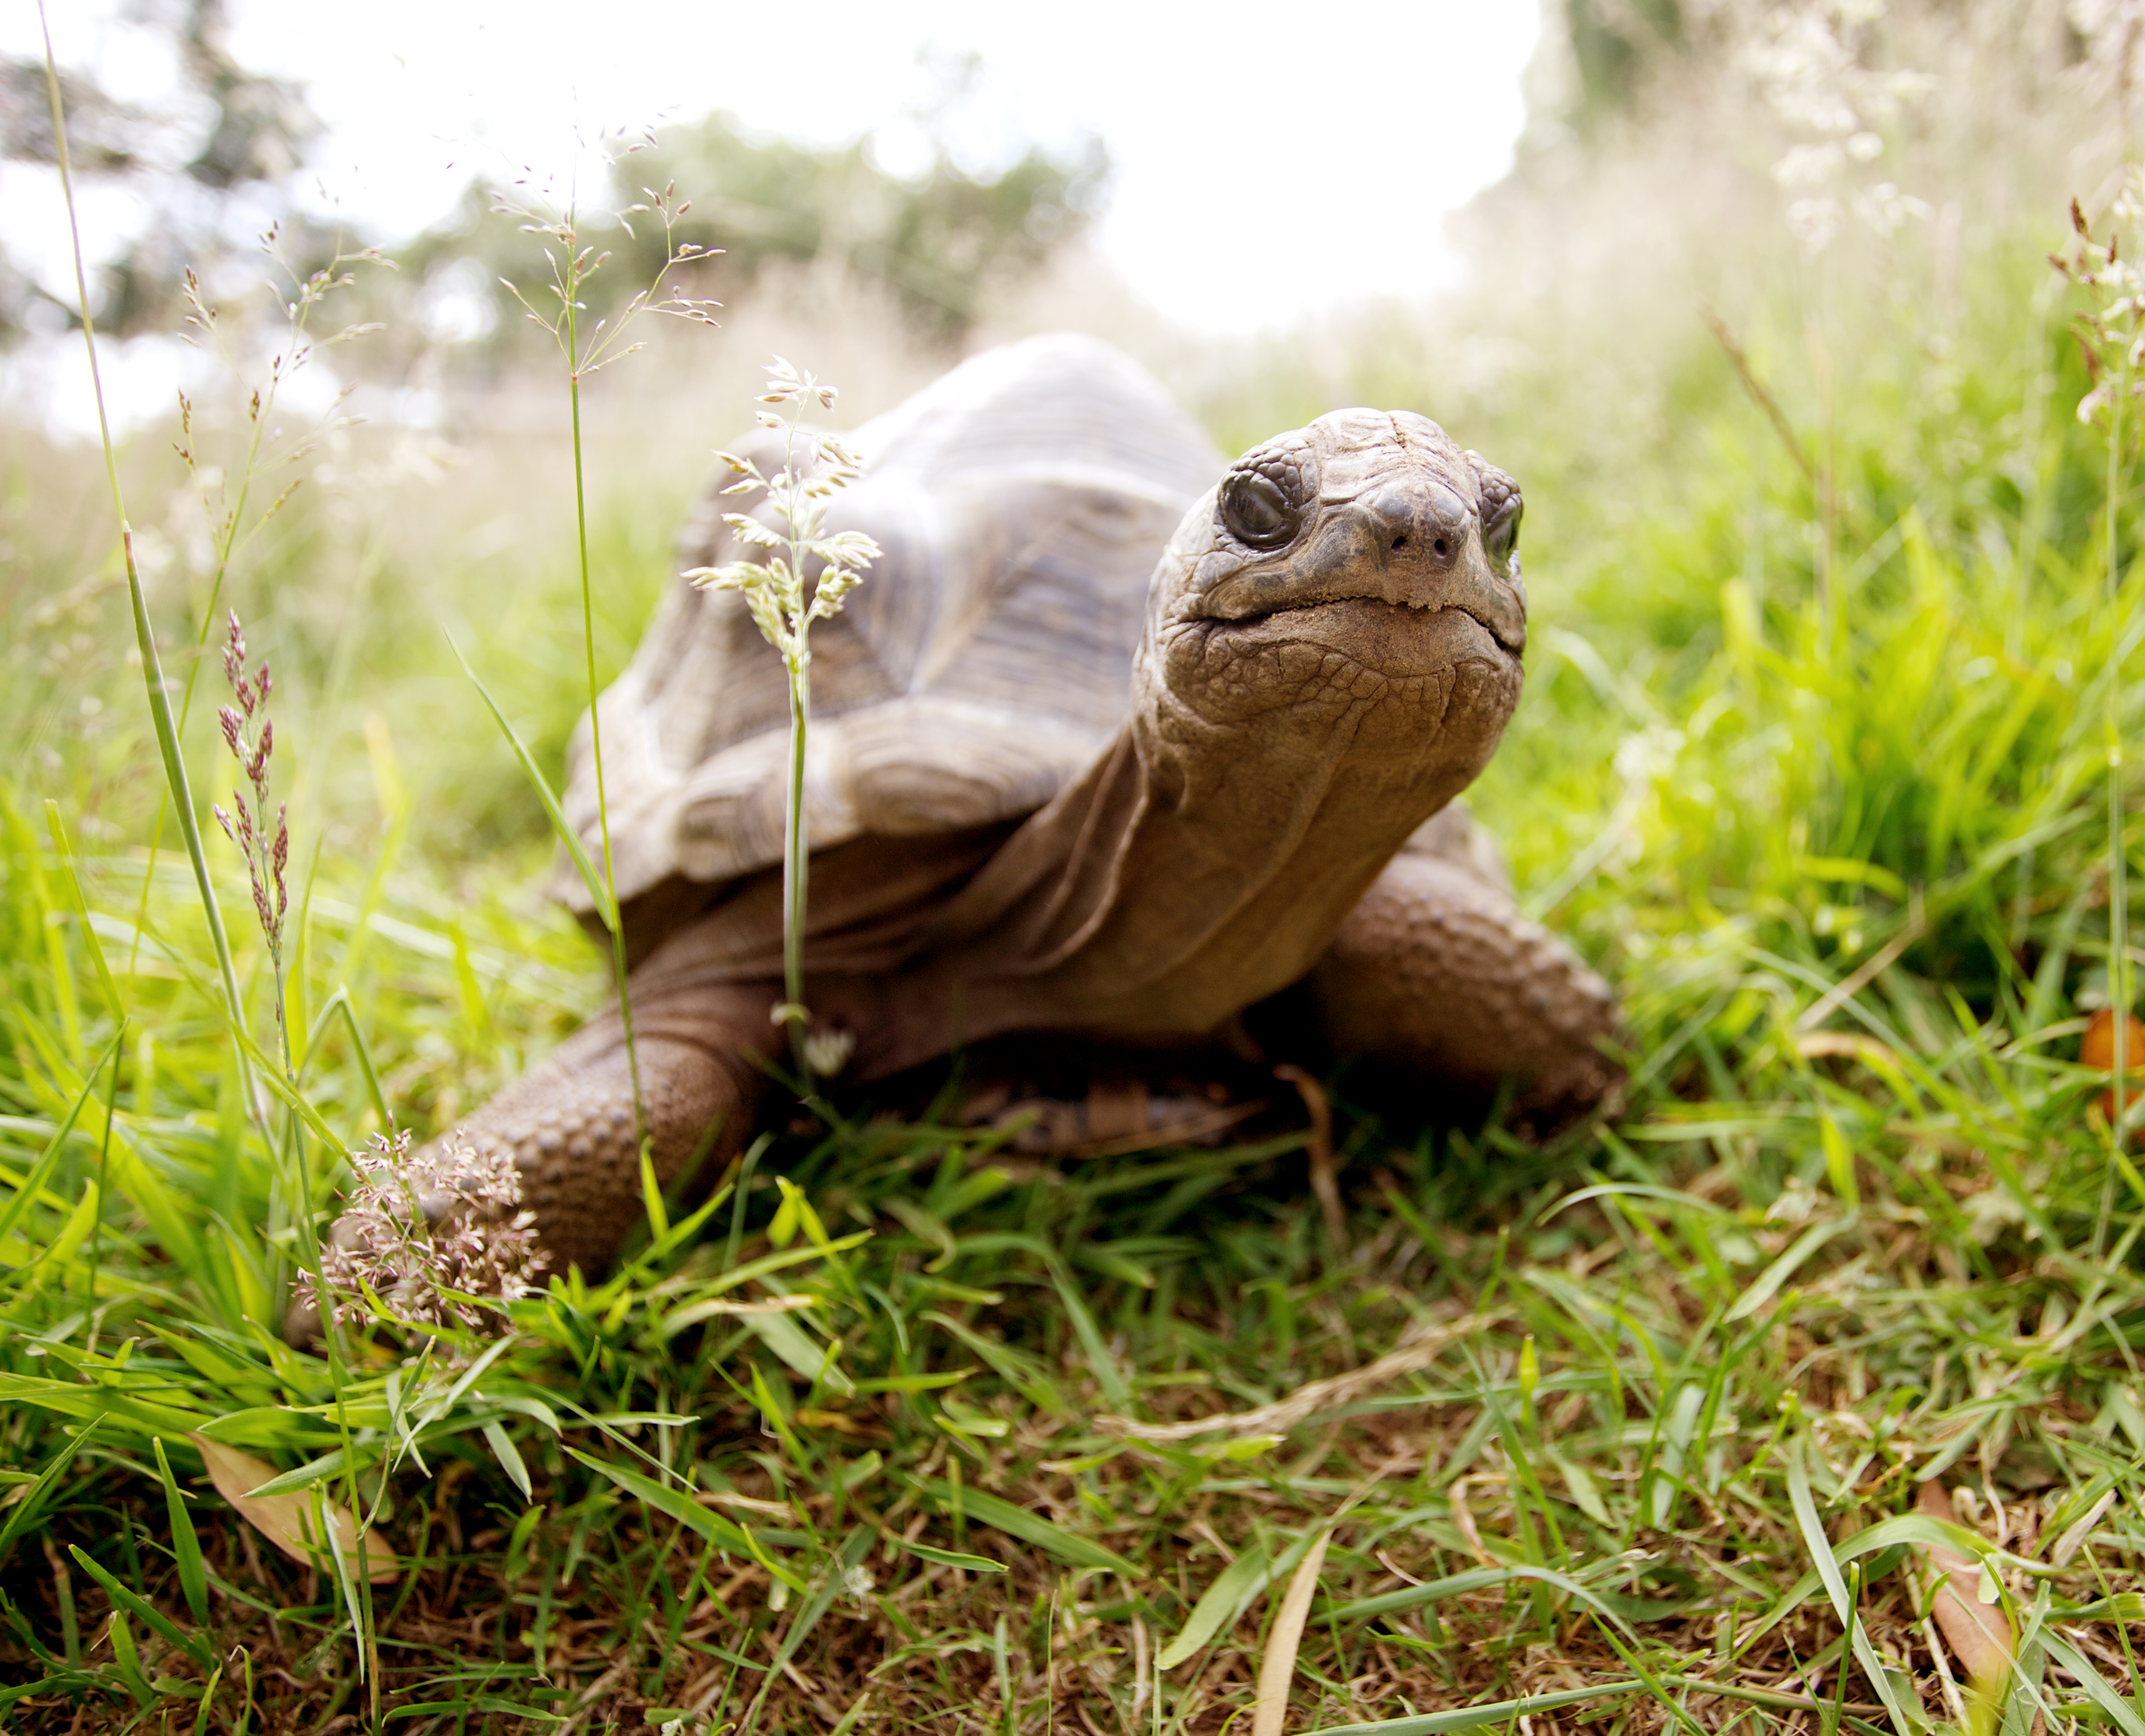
[
  {"x": 219, "y": 156},
  {"x": 224, "y": 132},
  {"x": 940, "y": 239},
  {"x": 1609, "y": 72},
  {"x": 1613, "y": 42}
]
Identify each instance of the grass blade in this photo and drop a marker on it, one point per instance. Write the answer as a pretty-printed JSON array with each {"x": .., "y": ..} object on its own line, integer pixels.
[
  {"x": 781, "y": 1334},
  {"x": 1219, "y": 1605},
  {"x": 126, "y": 1657},
  {"x": 598, "y": 890},
  {"x": 1476, "y": 1580},
  {"x": 25, "y": 1508},
  {"x": 1223, "y": 1602},
  {"x": 90, "y": 944},
  {"x": 326, "y": 1522},
  {"x": 853, "y": 1553},
  {"x": 1836, "y": 1586},
  {"x": 1491, "y": 1712},
  {"x": 185, "y": 1545},
  {"x": 675, "y": 1503},
  {"x": 291, "y": 1097},
  {"x": 338, "y": 1003},
  {"x": 33, "y": 1183},
  {"x": 192, "y": 1644},
  {"x": 509, "y": 1459},
  {"x": 1784, "y": 1268},
  {"x": 70, "y": 1398},
  {"x": 51, "y": 1259},
  {"x": 2119, "y": 1709},
  {"x": 1028, "y": 1527},
  {"x": 951, "y": 1557}
]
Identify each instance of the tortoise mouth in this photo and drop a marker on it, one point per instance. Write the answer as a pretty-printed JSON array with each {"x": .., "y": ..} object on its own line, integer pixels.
[
  {"x": 1404, "y": 584},
  {"x": 1514, "y": 643},
  {"x": 1385, "y": 621}
]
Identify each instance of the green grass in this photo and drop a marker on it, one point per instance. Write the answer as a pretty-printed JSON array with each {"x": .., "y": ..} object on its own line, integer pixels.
[{"x": 1670, "y": 1387}]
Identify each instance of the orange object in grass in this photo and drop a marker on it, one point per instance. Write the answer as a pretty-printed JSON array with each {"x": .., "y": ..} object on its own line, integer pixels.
[{"x": 2098, "y": 1051}]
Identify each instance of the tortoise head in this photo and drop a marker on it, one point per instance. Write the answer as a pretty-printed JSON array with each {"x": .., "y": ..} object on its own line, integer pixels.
[{"x": 1354, "y": 587}]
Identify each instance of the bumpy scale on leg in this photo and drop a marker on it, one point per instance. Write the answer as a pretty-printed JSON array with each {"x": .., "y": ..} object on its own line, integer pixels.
[
  {"x": 569, "y": 1125},
  {"x": 1437, "y": 972}
]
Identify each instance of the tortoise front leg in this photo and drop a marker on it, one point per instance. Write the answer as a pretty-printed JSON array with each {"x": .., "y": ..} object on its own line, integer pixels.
[
  {"x": 1436, "y": 972},
  {"x": 568, "y": 1122}
]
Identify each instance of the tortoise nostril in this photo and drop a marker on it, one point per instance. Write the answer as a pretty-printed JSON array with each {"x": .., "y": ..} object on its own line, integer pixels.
[
  {"x": 1401, "y": 541},
  {"x": 1438, "y": 547}
]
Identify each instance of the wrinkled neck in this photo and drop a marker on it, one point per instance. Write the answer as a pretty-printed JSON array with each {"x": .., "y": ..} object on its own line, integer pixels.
[{"x": 1192, "y": 871}]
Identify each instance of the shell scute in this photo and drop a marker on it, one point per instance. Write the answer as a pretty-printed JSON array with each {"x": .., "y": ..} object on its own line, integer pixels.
[{"x": 1022, "y": 501}]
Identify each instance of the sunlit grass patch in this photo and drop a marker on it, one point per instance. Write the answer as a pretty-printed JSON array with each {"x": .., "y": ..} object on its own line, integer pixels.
[
  {"x": 945, "y": 1460},
  {"x": 809, "y": 1427}
]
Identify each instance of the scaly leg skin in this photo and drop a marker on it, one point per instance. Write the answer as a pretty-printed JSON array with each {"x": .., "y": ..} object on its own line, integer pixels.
[
  {"x": 568, "y": 1122},
  {"x": 1437, "y": 972}
]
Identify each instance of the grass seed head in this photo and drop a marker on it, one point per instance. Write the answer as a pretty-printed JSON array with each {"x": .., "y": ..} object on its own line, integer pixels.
[
  {"x": 429, "y": 1237},
  {"x": 267, "y": 851},
  {"x": 773, "y": 591},
  {"x": 799, "y": 495}
]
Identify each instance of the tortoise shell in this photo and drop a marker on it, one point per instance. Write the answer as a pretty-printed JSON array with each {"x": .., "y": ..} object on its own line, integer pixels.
[{"x": 1022, "y": 501}]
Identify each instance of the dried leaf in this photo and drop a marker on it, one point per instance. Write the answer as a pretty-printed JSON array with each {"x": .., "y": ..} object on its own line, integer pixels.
[
  {"x": 1979, "y": 1634},
  {"x": 2097, "y": 1051},
  {"x": 287, "y": 1521},
  {"x": 1277, "y": 1668}
]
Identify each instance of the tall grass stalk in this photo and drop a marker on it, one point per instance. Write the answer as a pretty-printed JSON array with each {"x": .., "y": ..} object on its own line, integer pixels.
[
  {"x": 234, "y": 531},
  {"x": 572, "y": 264},
  {"x": 2113, "y": 333},
  {"x": 571, "y": 298},
  {"x": 2118, "y": 860},
  {"x": 773, "y": 591},
  {"x": 307, "y": 293},
  {"x": 306, "y": 1244},
  {"x": 144, "y": 636}
]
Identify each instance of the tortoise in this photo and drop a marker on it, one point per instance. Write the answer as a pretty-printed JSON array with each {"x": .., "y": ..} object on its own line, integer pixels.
[{"x": 1116, "y": 739}]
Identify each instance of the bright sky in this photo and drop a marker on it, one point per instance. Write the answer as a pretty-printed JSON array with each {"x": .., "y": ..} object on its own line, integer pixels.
[{"x": 1271, "y": 158}]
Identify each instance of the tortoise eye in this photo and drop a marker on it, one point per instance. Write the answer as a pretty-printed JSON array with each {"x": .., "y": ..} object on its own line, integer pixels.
[
  {"x": 1500, "y": 536},
  {"x": 1256, "y": 512}
]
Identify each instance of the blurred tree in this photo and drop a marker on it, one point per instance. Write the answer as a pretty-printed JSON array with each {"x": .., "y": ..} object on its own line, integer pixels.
[
  {"x": 225, "y": 141},
  {"x": 216, "y": 158},
  {"x": 938, "y": 239}
]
